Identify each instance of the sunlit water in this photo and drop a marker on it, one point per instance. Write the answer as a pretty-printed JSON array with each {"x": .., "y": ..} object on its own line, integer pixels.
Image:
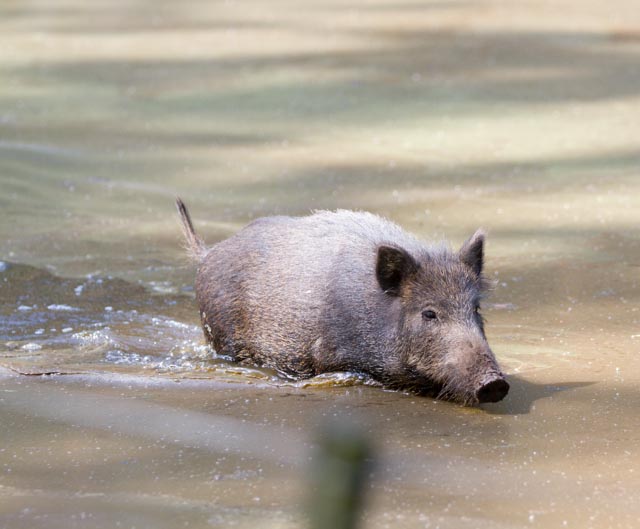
[{"x": 444, "y": 116}]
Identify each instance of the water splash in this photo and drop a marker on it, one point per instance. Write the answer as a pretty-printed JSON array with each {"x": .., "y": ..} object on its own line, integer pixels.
[{"x": 50, "y": 324}]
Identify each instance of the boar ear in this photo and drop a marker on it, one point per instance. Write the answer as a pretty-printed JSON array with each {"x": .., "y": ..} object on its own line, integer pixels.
[
  {"x": 472, "y": 252},
  {"x": 393, "y": 267}
]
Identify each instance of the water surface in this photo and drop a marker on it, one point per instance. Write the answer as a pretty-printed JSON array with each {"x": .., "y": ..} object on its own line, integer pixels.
[{"x": 443, "y": 116}]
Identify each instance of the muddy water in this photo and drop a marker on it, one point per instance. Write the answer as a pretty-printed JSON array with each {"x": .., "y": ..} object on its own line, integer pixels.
[{"x": 441, "y": 115}]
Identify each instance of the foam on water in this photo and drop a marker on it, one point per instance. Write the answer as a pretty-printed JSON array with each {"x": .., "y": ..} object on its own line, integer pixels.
[{"x": 62, "y": 307}]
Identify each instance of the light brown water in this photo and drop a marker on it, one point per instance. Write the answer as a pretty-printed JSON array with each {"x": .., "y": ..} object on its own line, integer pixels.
[{"x": 519, "y": 117}]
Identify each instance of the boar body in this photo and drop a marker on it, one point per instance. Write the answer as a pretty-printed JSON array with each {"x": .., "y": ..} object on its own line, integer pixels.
[{"x": 348, "y": 291}]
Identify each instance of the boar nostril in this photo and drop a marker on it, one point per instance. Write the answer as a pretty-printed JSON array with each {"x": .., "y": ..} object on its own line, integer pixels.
[{"x": 493, "y": 391}]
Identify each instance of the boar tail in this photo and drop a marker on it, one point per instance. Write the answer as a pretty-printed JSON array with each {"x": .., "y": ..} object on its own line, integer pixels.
[{"x": 195, "y": 245}]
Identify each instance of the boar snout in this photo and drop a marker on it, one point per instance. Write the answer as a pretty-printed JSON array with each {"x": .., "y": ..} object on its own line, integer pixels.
[{"x": 493, "y": 390}]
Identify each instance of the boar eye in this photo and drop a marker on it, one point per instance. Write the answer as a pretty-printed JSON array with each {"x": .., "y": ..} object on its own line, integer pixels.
[{"x": 429, "y": 314}]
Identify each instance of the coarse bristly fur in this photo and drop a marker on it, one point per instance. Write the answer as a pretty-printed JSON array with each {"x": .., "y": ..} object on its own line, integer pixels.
[{"x": 349, "y": 291}]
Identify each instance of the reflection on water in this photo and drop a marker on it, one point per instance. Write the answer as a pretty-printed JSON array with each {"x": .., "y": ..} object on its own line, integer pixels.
[{"x": 444, "y": 116}]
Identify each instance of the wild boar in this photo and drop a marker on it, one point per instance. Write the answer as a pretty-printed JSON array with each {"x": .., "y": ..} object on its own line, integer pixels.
[{"x": 349, "y": 291}]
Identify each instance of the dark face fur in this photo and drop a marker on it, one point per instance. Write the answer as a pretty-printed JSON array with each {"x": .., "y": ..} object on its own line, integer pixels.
[{"x": 441, "y": 348}]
